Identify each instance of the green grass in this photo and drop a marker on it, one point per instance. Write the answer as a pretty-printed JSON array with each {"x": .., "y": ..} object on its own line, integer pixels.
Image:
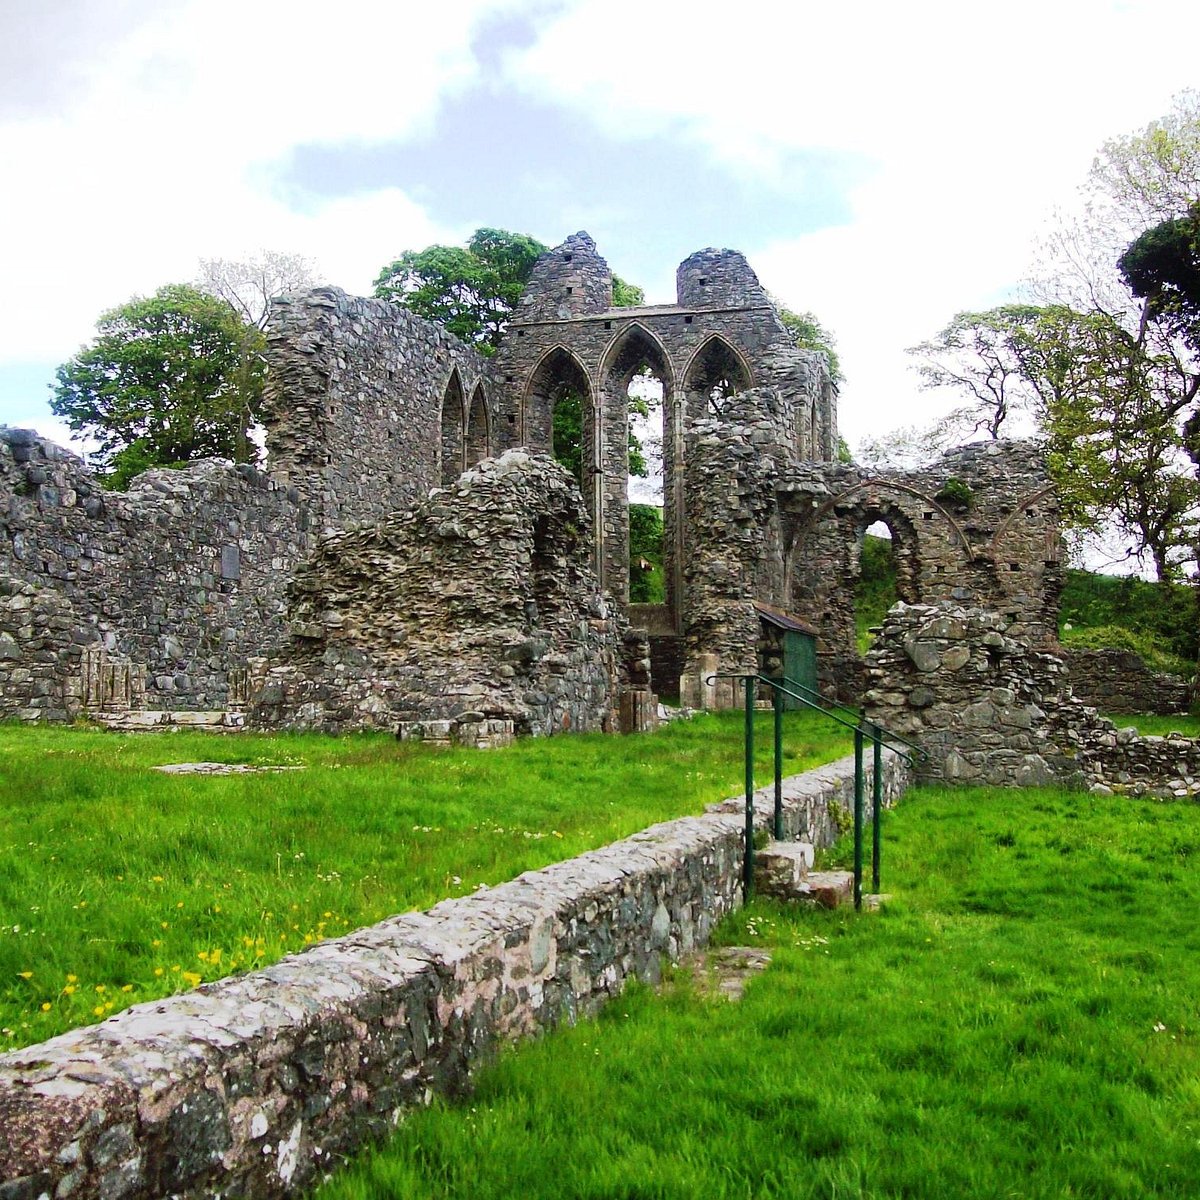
[
  {"x": 1118, "y": 612},
  {"x": 1021, "y": 1020},
  {"x": 1146, "y": 723},
  {"x": 119, "y": 884}
]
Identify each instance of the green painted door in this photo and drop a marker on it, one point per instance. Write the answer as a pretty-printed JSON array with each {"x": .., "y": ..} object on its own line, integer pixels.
[{"x": 799, "y": 662}]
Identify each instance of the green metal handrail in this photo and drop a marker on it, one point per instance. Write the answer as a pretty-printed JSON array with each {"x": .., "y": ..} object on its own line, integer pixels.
[{"x": 782, "y": 686}]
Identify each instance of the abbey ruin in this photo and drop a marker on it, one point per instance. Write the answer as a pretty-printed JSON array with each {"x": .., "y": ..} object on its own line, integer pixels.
[{"x": 413, "y": 559}]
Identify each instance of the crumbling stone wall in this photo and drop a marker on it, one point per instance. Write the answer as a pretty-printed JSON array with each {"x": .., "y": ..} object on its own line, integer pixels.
[
  {"x": 369, "y": 406},
  {"x": 1119, "y": 681},
  {"x": 986, "y": 708},
  {"x": 255, "y": 1085},
  {"x": 475, "y": 608},
  {"x": 182, "y": 576},
  {"x": 980, "y": 526}
]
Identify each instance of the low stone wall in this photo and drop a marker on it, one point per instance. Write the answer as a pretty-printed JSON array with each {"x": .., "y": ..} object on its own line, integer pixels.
[
  {"x": 1119, "y": 681},
  {"x": 254, "y": 1085}
]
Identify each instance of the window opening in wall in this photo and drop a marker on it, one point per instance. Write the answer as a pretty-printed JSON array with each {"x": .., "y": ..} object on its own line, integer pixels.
[
  {"x": 714, "y": 377},
  {"x": 688, "y": 319},
  {"x": 876, "y": 589},
  {"x": 453, "y": 429},
  {"x": 479, "y": 433},
  {"x": 647, "y": 578},
  {"x": 567, "y": 431}
]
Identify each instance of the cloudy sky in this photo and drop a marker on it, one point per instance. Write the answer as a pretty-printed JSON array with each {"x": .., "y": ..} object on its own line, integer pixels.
[{"x": 881, "y": 164}]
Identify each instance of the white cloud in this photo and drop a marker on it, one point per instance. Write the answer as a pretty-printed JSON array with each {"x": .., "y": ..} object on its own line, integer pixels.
[
  {"x": 975, "y": 121},
  {"x": 161, "y": 146}
]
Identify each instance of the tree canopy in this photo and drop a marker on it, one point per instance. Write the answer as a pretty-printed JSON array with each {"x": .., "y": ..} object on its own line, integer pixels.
[
  {"x": 1107, "y": 363},
  {"x": 168, "y": 378},
  {"x": 249, "y": 285}
]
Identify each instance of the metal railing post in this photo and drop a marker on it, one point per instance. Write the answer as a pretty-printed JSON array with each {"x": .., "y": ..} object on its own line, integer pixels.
[
  {"x": 748, "y": 860},
  {"x": 876, "y": 806},
  {"x": 778, "y": 696},
  {"x": 858, "y": 816}
]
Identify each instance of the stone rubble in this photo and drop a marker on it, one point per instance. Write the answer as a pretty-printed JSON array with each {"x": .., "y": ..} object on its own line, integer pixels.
[{"x": 988, "y": 709}]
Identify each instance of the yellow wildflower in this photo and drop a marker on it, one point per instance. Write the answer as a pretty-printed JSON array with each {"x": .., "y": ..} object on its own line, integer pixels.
[
  {"x": 192, "y": 978},
  {"x": 158, "y": 970},
  {"x": 25, "y": 974},
  {"x": 69, "y": 989},
  {"x": 45, "y": 1006}
]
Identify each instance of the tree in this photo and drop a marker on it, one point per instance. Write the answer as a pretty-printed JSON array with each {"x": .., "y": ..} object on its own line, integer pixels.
[
  {"x": 1162, "y": 267},
  {"x": 985, "y": 355},
  {"x": 646, "y": 585},
  {"x": 1107, "y": 362},
  {"x": 249, "y": 285},
  {"x": 166, "y": 380}
]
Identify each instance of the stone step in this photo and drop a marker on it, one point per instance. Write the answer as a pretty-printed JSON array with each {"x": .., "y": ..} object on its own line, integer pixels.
[
  {"x": 830, "y": 889},
  {"x": 780, "y": 867}
]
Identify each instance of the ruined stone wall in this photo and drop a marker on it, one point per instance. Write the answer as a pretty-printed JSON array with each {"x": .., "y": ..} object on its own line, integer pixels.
[
  {"x": 476, "y": 606},
  {"x": 182, "y": 576},
  {"x": 722, "y": 332},
  {"x": 979, "y": 526},
  {"x": 736, "y": 558},
  {"x": 255, "y": 1085},
  {"x": 988, "y": 709},
  {"x": 1119, "y": 681},
  {"x": 367, "y": 405}
]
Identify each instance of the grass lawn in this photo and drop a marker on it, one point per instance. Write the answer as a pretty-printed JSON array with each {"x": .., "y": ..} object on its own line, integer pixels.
[
  {"x": 120, "y": 884},
  {"x": 1021, "y": 1021},
  {"x": 1144, "y": 723}
]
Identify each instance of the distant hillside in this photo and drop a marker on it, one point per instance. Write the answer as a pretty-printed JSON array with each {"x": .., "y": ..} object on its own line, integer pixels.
[
  {"x": 1158, "y": 622},
  {"x": 1098, "y": 611}
]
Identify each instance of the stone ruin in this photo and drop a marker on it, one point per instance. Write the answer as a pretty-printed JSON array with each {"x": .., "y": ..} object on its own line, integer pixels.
[
  {"x": 986, "y": 708},
  {"x": 471, "y": 617},
  {"x": 376, "y": 549}
]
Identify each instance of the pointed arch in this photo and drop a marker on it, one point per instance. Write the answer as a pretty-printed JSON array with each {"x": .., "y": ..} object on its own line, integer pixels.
[
  {"x": 559, "y": 415},
  {"x": 630, "y": 349},
  {"x": 557, "y": 380},
  {"x": 453, "y": 425},
  {"x": 479, "y": 428},
  {"x": 715, "y": 371}
]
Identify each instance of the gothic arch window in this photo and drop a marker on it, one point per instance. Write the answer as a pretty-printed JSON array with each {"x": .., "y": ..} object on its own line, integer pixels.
[
  {"x": 716, "y": 373},
  {"x": 453, "y": 424},
  {"x": 559, "y": 400},
  {"x": 479, "y": 433},
  {"x": 637, "y": 378}
]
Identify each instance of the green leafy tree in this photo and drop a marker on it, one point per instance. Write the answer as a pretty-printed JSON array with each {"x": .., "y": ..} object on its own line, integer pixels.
[
  {"x": 168, "y": 379},
  {"x": 1162, "y": 267},
  {"x": 471, "y": 290},
  {"x": 646, "y": 584}
]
